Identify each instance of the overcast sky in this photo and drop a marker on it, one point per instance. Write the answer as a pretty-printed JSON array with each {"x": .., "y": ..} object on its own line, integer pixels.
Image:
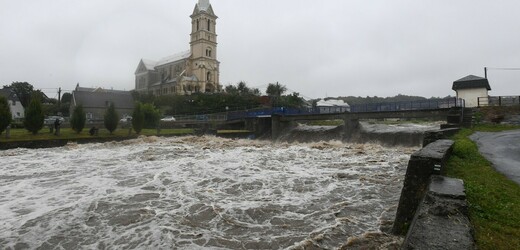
[{"x": 317, "y": 48}]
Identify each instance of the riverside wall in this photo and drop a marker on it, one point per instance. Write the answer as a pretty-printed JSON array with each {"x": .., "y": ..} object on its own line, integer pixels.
[{"x": 432, "y": 211}]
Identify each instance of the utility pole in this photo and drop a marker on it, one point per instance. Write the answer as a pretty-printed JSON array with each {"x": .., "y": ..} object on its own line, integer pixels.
[{"x": 59, "y": 96}]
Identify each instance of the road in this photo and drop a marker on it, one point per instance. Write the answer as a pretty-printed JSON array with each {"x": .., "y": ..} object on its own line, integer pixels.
[{"x": 502, "y": 149}]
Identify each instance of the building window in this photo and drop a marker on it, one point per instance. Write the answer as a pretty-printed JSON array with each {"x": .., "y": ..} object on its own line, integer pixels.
[
  {"x": 208, "y": 76},
  {"x": 208, "y": 52},
  {"x": 209, "y": 23},
  {"x": 197, "y": 24}
]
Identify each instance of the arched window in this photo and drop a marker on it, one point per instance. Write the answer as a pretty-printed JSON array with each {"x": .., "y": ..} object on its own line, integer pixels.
[
  {"x": 197, "y": 24},
  {"x": 208, "y": 52},
  {"x": 209, "y": 23}
]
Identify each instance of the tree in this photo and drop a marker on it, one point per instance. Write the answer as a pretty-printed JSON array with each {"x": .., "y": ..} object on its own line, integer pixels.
[
  {"x": 34, "y": 116},
  {"x": 151, "y": 115},
  {"x": 66, "y": 98},
  {"x": 78, "y": 119},
  {"x": 275, "y": 89},
  {"x": 24, "y": 92},
  {"x": 138, "y": 118},
  {"x": 111, "y": 118},
  {"x": 5, "y": 114}
]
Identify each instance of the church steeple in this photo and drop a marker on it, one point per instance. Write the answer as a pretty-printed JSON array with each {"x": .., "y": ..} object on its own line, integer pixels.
[{"x": 203, "y": 45}]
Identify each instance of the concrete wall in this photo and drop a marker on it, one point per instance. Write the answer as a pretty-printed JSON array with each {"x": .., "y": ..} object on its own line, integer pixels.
[{"x": 432, "y": 211}]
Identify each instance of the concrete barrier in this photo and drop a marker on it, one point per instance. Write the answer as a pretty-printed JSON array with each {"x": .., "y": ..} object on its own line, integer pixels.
[
  {"x": 424, "y": 163},
  {"x": 432, "y": 211},
  {"x": 441, "y": 221}
]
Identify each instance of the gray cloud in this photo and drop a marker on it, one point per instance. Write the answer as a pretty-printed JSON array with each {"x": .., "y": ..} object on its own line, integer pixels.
[{"x": 317, "y": 48}]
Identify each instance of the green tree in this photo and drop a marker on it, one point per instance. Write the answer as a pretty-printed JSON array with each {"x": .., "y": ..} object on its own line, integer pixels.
[
  {"x": 138, "y": 118},
  {"x": 34, "y": 116},
  {"x": 151, "y": 115},
  {"x": 5, "y": 114},
  {"x": 275, "y": 89},
  {"x": 66, "y": 98},
  {"x": 111, "y": 118},
  {"x": 78, "y": 119},
  {"x": 24, "y": 92}
]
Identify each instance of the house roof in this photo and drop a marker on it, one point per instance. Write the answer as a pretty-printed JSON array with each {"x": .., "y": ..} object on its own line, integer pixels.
[
  {"x": 89, "y": 99},
  {"x": 8, "y": 94},
  {"x": 332, "y": 103},
  {"x": 471, "y": 82}
]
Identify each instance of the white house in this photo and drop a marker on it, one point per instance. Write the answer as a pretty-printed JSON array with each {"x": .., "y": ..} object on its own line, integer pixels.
[
  {"x": 332, "y": 106},
  {"x": 471, "y": 88},
  {"x": 17, "y": 110}
]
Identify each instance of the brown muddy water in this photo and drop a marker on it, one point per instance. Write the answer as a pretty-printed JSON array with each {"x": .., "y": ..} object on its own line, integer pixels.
[{"x": 199, "y": 193}]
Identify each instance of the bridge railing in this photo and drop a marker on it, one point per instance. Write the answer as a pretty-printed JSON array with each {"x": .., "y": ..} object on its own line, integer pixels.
[
  {"x": 360, "y": 108},
  {"x": 404, "y": 106},
  {"x": 498, "y": 101}
]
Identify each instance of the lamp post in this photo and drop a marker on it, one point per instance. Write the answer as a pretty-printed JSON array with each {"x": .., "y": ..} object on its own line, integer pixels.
[{"x": 227, "y": 109}]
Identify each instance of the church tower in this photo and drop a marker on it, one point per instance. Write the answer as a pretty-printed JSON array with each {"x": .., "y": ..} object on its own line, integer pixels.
[{"x": 203, "y": 45}]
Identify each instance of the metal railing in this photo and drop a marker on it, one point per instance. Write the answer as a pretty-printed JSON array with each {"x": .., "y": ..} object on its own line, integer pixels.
[
  {"x": 360, "y": 108},
  {"x": 404, "y": 106},
  {"x": 498, "y": 101}
]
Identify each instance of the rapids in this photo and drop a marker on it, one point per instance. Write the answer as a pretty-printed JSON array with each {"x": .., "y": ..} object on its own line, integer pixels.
[{"x": 199, "y": 192}]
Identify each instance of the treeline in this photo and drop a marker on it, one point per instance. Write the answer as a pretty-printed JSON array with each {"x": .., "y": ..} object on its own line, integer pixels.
[
  {"x": 234, "y": 97},
  {"x": 353, "y": 100}
]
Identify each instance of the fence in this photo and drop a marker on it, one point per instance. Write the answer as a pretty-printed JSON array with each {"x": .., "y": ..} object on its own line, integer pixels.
[
  {"x": 404, "y": 106},
  {"x": 498, "y": 101},
  {"x": 360, "y": 108}
]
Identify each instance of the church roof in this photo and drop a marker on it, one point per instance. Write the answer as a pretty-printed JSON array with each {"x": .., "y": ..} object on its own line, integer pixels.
[
  {"x": 203, "y": 6},
  {"x": 174, "y": 58},
  {"x": 471, "y": 82},
  {"x": 149, "y": 64}
]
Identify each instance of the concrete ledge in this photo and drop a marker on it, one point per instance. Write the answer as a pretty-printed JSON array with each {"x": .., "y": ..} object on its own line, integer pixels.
[
  {"x": 435, "y": 135},
  {"x": 441, "y": 221},
  {"x": 424, "y": 163}
]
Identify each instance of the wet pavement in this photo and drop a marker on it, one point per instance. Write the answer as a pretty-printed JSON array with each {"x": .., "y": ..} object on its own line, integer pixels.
[{"x": 502, "y": 149}]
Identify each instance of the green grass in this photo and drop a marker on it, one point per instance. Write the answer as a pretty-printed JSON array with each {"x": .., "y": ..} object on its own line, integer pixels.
[
  {"x": 67, "y": 133},
  {"x": 494, "y": 200}
]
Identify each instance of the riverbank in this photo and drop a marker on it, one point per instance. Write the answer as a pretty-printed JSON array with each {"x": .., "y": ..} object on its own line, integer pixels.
[
  {"x": 21, "y": 138},
  {"x": 494, "y": 200}
]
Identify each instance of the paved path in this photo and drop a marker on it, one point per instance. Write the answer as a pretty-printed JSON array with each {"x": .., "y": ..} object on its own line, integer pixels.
[{"x": 502, "y": 149}]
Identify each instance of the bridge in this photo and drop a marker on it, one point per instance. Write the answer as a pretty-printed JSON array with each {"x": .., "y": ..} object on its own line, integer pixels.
[{"x": 277, "y": 120}]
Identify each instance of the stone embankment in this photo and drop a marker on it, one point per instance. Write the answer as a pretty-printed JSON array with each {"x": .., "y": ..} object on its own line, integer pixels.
[{"x": 432, "y": 211}]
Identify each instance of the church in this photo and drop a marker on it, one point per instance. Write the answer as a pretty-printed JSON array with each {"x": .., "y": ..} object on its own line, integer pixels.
[{"x": 192, "y": 71}]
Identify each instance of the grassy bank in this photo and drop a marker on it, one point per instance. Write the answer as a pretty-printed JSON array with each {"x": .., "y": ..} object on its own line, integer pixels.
[
  {"x": 67, "y": 133},
  {"x": 494, "y": 200}
]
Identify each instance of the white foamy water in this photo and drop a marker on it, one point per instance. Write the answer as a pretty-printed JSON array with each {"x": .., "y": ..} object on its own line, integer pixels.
[{"x": 196, "y": 192}]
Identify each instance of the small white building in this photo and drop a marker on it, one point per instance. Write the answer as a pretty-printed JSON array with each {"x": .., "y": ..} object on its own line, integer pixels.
[
  {"x": 17, "y": 110},
  {"x": 332, "y": 106},
  {"x": 471, "y": 88}
]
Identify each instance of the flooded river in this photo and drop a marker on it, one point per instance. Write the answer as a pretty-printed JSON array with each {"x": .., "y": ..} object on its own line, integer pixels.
[{"x": 199, "y": 192}]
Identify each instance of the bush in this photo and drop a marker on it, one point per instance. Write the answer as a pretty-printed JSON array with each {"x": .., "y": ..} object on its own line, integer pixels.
[
  {"x": 5, "y": 114},
  {"x": 138, "y": 117},
  {"x": 152, "y": 116},
  {"x": 111, "y": 118},
  {"x": 34, "y": 116},
  {"x": 78, "y": 119}
]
